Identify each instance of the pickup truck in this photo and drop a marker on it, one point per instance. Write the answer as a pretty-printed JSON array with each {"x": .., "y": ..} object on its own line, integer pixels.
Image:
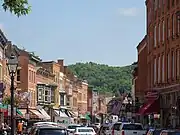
[{"x": 128, "y": 129}]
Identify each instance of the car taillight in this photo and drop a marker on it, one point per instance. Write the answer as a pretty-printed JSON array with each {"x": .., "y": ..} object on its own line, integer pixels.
[
  {"x": 112, "y": 131},
  {"x": 122, "y": 133}
]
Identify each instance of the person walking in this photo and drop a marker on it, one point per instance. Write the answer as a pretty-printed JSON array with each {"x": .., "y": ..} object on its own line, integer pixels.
[{"x": 20, "y": 128}]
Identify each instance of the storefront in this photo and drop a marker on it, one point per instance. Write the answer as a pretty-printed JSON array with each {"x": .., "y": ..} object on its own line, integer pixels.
[
  {"x": 150, "y": 109},
  {"x": 170, "y": 106},
  {"x": 62, "y": 117}
]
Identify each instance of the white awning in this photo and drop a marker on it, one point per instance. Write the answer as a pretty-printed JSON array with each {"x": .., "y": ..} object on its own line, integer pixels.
[
  {"x": 61, "y": 114},
  {"x": 44, "y": 113},
  {"x": 37, "y": 113}
]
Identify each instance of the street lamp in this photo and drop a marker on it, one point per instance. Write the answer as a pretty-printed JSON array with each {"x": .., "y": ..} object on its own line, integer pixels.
[{"x": 12, "y": 67}]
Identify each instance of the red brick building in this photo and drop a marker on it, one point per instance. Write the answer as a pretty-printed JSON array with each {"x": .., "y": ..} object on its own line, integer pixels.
[
  {"x": 141, "y": 80},
  {"x": 163, "y": 57},
  {"x": 27, "y": 75}
]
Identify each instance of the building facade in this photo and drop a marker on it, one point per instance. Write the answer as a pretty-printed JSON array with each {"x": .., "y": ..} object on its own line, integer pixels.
[
  {"x": 163, "y": 53},
  {"x": 26, "y": 75},
  {"x": 141, "y": 82}
]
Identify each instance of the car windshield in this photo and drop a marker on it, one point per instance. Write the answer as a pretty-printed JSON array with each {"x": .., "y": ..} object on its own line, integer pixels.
[
  {"x": 73, "y": 127},
  {"x": 52, "y": 132},
  {"x": 117, "y": 126},
  {"x": 132, "y": 127},
  {"x": 85, "y": 130}
]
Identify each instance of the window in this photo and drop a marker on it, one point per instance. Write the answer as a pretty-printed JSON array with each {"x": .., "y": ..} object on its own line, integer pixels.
[
  {"x": 163, "y": 71},
  {"x": 155, "y": 67},
  {"x": 168, "y": 4},
  {"x": 163, "y": 30},
  {"x": 40, "y": 94},
  {"x": 168, "y": 66},
  {"x": 62, "y": 99},
  {"x": 155, "y": 4},
  {"x": 173, "y": 63},
  {"x": 159, "y": 36},
  {"x": 173, "y": 2},
  {"x": 178, "y": 63},
  {"x": 18, "y": 75},
  {"x": 173, "y": 25},
  {"x": 168, "y": 28},
  {"x": 155, "y": 36},
  {"x": 159, "y": 69},
  {"x": 47, "y": 96}
]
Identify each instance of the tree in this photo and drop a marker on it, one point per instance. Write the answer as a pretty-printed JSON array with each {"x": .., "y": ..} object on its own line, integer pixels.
[
  {"x": 17, "y": 7},
  {"x": 7, "y": 100},
  {"x": 103, "y": 77}
]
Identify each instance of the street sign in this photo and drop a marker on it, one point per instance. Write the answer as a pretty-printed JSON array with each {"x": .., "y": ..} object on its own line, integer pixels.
[{"x": 27, "y": 116}]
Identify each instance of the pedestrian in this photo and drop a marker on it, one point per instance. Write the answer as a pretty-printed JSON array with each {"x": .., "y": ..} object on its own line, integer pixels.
[{"x": 20, "y": 128}]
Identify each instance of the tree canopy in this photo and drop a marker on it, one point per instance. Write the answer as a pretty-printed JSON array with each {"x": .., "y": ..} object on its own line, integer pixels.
[
  {"x": 103, "y": 77},
  {"x": 17, "y": 7}
]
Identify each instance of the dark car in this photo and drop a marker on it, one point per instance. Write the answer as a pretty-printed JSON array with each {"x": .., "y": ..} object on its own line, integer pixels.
[
  {"x": 48, "y": 130},
  {"x": 154, "y": 132}
]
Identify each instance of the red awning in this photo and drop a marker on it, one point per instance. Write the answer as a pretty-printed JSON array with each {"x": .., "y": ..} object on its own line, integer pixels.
[{"x": 152, "y": 106}]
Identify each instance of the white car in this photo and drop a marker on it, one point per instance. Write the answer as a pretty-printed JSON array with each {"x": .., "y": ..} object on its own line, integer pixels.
[
  {"x": 84, "y": 131},
  {"x": 71, "y": 128}
]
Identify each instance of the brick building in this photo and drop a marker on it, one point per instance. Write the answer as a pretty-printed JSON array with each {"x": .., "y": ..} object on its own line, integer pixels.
[
  {"x": 27, "y": 75},
  {"x": 54, "y": 68},
  {"x": 82, "y": 95},
  {"x": 163, "y": 59},
  {"x": 141, "y": 82}
]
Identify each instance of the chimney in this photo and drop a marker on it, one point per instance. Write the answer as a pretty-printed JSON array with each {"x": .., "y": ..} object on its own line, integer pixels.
[{"x": 61, "y": 63}]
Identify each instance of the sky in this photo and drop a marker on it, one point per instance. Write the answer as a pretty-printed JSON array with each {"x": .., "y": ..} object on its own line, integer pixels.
[{"x": 102, "y": 31}]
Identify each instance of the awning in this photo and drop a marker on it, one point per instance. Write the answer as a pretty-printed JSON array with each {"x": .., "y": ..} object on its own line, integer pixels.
[
  {"x": 151, "y": 107},
  {"x": 37, "y": 113},
  {"x": 44, "y": 113},
  {"x": 87, "y": 116},
  {"x": 60, "y": 113}
]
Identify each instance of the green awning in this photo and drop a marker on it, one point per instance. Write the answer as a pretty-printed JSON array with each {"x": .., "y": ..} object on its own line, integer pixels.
[
  {"x": 5, "y": 107},
  {"x": 87, "y": 116},
  {"x": 19, "y": 112},
  {"x": 2, "y": 106}
]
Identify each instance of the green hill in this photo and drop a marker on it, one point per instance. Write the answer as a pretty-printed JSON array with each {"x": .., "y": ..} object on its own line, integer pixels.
[{"x": 103, "y": 77}]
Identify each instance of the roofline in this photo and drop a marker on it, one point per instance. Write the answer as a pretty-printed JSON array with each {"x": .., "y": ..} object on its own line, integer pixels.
[{"x": 143, "y": 40}]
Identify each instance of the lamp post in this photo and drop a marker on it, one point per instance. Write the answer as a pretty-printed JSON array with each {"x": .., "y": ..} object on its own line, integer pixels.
[{"x": 12, "y": 67}]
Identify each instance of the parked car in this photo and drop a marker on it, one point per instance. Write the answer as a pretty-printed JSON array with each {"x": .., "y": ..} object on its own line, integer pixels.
[
  {"x": 170, "y": 132},
  {"x": 154, "y": 132},
  {"x": 84, "y": 131},
  {"x": 71, "y": 128},
  {"x": 94, "y": 127},
  {"x": 48, "y": 130},
  {"x": 128, "y": 129}
]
